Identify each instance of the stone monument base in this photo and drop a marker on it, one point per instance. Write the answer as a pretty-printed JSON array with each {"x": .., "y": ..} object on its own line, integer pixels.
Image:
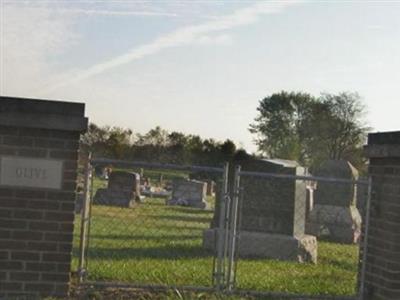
[
  {"x": 114, "y": 198},
  {"x": 340, "y": 224},
  {"x": 268, "y": 245}
]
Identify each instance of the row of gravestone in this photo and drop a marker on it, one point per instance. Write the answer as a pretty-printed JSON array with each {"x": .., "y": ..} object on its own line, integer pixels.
[
  {"x": 280, "y": 218},
  {"x": 124, "y": 190}
]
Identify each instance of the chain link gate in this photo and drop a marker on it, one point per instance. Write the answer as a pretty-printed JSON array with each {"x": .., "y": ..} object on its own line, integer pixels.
[
  {"x": 138, "y": 240},
  {"x": 278, "y": 261}
]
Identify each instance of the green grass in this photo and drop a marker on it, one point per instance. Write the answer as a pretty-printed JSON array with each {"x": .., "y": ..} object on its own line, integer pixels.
[
  {"x": 152, "y": 243},
  {"x": 162, "y": 245}
]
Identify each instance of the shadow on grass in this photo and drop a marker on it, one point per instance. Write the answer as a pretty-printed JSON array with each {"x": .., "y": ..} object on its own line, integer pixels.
[
  {"x": 153, "y": 202},
  {"x": 164, "y": 252},
  {"x": 188, "y": 210},
  {"x": 328, "y": 240},
  {"x": 192, "y": 219},
  {"x": 143, "y": 227},
  {"x": 184, "y": 227},
  {"x": 149, "y": 237},
  {"x": 342, "y": 264}
]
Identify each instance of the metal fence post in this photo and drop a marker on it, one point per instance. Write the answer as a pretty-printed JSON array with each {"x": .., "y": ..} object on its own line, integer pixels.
[
  {"x": 219, "y": 273},
  {"x": 84, "y": 220},
  {"x": 365, "y": 242},
  {"x": 233, "y": 230}
]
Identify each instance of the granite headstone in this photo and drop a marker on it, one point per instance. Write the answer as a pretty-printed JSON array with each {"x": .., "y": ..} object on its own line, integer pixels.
[
  {"x": 335, "y": 214},
  {"x": 123, "y": 190}
]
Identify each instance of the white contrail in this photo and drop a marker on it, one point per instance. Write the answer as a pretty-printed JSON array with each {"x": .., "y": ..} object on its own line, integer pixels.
[
  {"x": 182, "y": 36},
  {"x": 116, "y": 12}
]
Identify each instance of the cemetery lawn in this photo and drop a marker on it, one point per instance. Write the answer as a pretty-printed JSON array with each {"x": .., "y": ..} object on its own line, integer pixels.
[{"x": 155, "y": 244}]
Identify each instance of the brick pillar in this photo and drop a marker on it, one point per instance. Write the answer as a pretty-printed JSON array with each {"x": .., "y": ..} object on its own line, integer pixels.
[
  {"x": 382, "y": 280},
  {"x": 39, "y": 143}
]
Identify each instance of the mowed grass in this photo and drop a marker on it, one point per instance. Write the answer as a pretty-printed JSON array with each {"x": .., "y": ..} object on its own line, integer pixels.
[
  {"x": 150, "y": 244},
  {"x": 155, "y": 244}
]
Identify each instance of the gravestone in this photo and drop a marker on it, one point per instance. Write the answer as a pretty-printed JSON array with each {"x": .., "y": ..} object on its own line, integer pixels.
[
  {"x": 189, "y": 193},
  {"x": 123, "y": 190},
  {"x": 335, "y": 214},
  {"x": 272, "y": 214},
  {"x": 362, "y": 196},
  {"x": 311, "y": 186},
  {"x": 211, "y": 188}
]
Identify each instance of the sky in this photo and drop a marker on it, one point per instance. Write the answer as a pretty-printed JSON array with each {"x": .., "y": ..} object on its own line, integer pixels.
[{"x": 200, "y": 67}]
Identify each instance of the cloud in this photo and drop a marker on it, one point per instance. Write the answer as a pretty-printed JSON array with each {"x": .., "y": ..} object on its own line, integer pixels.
[
  {"x": 29, "y": 37},
  {"x": 117, "y": 13},
  {"x": 222, "y": 39},
  {"x": 375, "y": 27},
  {"x": 183, "y": 36}
]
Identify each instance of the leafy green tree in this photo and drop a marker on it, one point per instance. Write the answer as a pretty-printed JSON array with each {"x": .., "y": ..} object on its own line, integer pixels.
[
  {"x": 278, "y": 124},
  {"x": 156, "y": 137},
  {"x": 118, "y": 142},
  {"x": 310, "y": 130},
  {"x": 106, "y": 141},
  {"x": 336, "y": 129},
  {"x": 228, "y": 149}
]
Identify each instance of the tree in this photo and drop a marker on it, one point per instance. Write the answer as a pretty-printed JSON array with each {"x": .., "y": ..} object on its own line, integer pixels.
[
  {"x": 278, "y": 125},
  {"x": 118, "y": 142},
  {"x": 106, "y": 141},
  {"x": 336, "y": 128},
  {"x": 227, "y": 149},
  {"x": 307, "y": 129},
  {"x": 155, "y": 137},
  {"x": 157, "y": 145}
]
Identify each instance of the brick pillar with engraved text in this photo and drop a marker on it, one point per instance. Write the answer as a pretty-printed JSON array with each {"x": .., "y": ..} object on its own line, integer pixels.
[{"x": 39, "y": 143}]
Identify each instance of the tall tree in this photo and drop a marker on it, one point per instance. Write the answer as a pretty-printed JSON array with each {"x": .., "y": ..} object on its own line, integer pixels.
[
  {"x": 300, "y": 127},
  {"x": 336, "y": 128},
  {"x": 278, "y": 124}
]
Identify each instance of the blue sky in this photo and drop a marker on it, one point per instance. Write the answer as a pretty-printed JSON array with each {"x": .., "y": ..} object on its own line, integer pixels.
[{"x": 200, "y": 66}]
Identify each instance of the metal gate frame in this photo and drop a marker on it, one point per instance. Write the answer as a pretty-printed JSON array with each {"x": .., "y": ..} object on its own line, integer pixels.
[
  {"x": 218, "y": 273},
  {"x": 85, "y": 220}
]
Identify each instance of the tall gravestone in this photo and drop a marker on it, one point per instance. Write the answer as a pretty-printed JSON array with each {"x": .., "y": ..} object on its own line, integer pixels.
[
  {"x": 123, "y": 190},
  {"x": 335, "y": 213},
  {"x": 272, "y": 214},
  {"x": 39, "y": 143}
]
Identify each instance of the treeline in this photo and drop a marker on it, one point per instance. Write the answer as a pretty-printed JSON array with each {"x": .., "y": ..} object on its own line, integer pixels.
[
  {"x": 289, "y": 125},
  {"x": 157, "y": 145}
]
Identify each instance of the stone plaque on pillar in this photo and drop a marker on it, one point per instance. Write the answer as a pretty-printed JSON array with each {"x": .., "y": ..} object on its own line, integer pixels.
[{"x": 29, "y": 172}]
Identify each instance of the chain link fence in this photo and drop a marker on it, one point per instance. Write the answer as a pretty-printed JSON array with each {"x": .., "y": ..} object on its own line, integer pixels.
[
  {"x": 271, "y": 228},
  {"x": 145, "y": 223}
]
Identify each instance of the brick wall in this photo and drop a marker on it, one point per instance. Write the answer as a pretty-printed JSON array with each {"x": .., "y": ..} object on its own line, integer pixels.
[
  {"x": 382, "y": 279},
  {"x": 36, "y": 225}
]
